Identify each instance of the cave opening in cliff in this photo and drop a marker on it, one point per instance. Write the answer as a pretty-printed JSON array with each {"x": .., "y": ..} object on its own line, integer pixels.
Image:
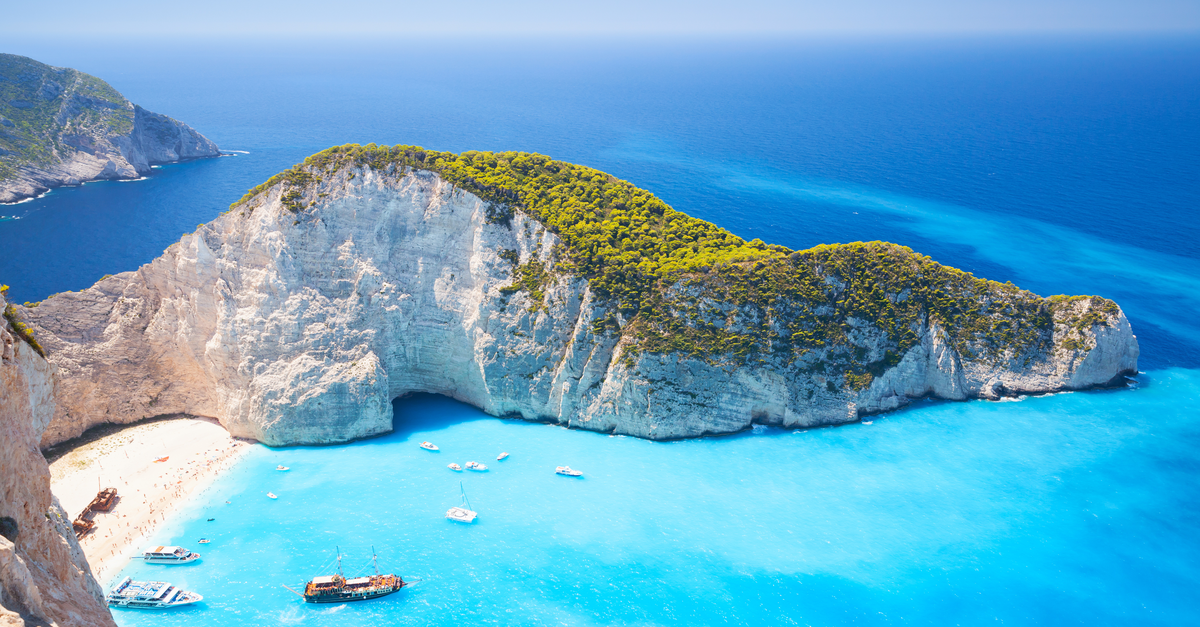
[{"x": 423, "y": 411}]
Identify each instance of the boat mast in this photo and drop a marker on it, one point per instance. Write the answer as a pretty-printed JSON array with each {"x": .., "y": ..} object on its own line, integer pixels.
[
  {"x": 464, "y": 495},
  {"x": 374, "y": 560},
  {"x": 339, "y": 553}
]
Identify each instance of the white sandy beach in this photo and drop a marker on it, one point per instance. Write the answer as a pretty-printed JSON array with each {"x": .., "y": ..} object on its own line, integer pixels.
[{"x": 198, "y": 449}]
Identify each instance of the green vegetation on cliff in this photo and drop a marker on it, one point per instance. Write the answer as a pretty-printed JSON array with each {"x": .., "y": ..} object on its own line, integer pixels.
[
  {"x": 19, "y": 328},
  {"x": 42, "y": 108},
  {"x": 686, "y": 286}
]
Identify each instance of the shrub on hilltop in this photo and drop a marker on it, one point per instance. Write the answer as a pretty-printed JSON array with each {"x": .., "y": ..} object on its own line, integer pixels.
[{"x": 683, "y": 285}]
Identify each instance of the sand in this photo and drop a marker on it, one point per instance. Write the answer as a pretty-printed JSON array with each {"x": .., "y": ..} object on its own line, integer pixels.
[{"x": 149, "y": 491}]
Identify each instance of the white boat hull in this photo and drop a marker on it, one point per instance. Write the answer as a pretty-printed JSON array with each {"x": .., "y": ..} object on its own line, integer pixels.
[{"x": 461, "y": 514}]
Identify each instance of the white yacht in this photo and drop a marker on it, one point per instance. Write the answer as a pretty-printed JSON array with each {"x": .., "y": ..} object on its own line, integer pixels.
[
  {"x": 566, "y": 470},
  {"x": 429, "y": 446},
  {"x": 271, "y": 495},
  {"x": 282, "y": 467},
  {"x": 149, "y": 595},
  {"x": 476, "y": 466},
  {"x": 169, "y": 555},
  {"x": 462, "y": 513},
  {"x": 501, "y": 456},
  {"x": 455, "y": 467}
]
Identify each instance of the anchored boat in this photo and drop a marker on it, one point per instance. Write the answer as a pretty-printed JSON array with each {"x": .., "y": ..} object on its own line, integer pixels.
[
  {"x": 462, "y": 513},
  {"x": 501, "y": 456},
  {"x": 455, "y": 467},
  {"x": 149, "y": 595},
  {"x": 476, "y": 466},
  {"x": 568, "y": 471},
  {"x": 429, "y": 446},
  {"x": 338, "y": 589},
  {"x": 169, "y": 555}
]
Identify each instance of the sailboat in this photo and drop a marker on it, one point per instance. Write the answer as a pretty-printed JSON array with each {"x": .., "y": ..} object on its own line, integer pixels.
[
  {"x": 338, "y": 589},
  {"x": 462, "y": 513}
]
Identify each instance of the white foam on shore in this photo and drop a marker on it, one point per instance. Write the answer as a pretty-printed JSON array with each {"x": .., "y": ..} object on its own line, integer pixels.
[{"x": 31, "y": 199}]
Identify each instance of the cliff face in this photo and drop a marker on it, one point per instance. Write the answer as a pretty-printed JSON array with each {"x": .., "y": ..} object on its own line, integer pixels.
[
  {"x": 298, "y": 316},
  {"x": 59, "y": 126},
  {"x": 44, "y": 577}
]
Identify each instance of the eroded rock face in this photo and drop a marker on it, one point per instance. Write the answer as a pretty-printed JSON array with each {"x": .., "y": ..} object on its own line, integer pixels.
[
  {"x": 44, "y": 577},
  {"x": 77, "y": 128},
  {"x": 301, "y": 327}
]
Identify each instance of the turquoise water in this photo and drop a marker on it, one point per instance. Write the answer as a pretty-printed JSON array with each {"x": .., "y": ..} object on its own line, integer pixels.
[
  {"x": 1065, "y": 509},
  {"x": 1067, "y": 165}
]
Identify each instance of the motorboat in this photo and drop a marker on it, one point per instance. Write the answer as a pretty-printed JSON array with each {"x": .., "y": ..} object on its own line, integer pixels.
[
  {"x": 271, "y": 495},
  {"x": 501, "y": 456},
  {"x": 149, "y": 595},
  {"x": 568, "y": 471},
  {"x": 476, "y": 466},
  {"x": 204, "y": 540},
  {"x": 462, "y": 513},
  {"x": 282, "y": 467},
  {"x": 169, "y": 555},
  {"x": 455, "y": 467},
  {"x": 868, "y": 422},
  {"x": 429, "y": 446}
]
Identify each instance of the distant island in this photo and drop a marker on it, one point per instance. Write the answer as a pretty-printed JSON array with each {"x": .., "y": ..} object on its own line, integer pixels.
[
  {"x": 539, "y": 289},
  {"x": 60, "y": 126}
]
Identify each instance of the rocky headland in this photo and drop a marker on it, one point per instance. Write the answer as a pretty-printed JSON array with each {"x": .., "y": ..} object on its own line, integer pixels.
[
  {"x": 542, "y": 290},
  {"x": 44, "y": 577},
  {"x": 59, "y": 126}
]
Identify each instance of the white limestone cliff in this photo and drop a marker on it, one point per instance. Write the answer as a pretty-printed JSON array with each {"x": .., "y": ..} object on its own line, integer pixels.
[
  {"x": 44, "y": 577},
  {"x": 302, "y": 327}
]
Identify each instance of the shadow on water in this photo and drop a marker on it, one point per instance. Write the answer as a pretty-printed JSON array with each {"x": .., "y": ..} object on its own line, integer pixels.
[{"x": 423, "y": 412}]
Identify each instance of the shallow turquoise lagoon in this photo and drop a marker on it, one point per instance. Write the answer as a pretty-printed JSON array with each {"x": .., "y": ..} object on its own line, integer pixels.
[{"x": 1065, "y": 509}]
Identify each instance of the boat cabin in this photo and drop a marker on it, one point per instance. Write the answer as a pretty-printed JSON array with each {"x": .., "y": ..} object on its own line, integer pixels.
[{"x": 169, "y": 554}]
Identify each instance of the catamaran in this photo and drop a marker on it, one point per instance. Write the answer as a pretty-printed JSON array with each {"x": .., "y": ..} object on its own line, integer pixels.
[
  {"x": 338, "y": 589},
  {"x": 169, "y": 555},
  {"x": 462, "y": 513},
  {"x": 149, "y": 595}
]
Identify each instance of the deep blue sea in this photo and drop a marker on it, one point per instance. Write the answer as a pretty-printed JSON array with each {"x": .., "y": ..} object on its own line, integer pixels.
[{"x": 1067, "y": 165}]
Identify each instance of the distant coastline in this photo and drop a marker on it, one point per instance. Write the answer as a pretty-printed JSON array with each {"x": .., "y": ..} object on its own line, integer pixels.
[{"x": 64, "y": 127}]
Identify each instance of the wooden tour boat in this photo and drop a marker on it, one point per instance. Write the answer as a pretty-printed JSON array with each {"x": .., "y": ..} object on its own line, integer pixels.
[{"x": 337, "y": 589}]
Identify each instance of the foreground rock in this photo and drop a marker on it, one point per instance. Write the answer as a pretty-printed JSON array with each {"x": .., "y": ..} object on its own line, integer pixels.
[
  {"x": 59, "y": 126},
  {"x": 44, "y": 577},
  {"x": 297, "y": 317}
]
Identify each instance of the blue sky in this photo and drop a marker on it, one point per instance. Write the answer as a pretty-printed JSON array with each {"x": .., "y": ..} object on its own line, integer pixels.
[{"x": 238, "y": 18}]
